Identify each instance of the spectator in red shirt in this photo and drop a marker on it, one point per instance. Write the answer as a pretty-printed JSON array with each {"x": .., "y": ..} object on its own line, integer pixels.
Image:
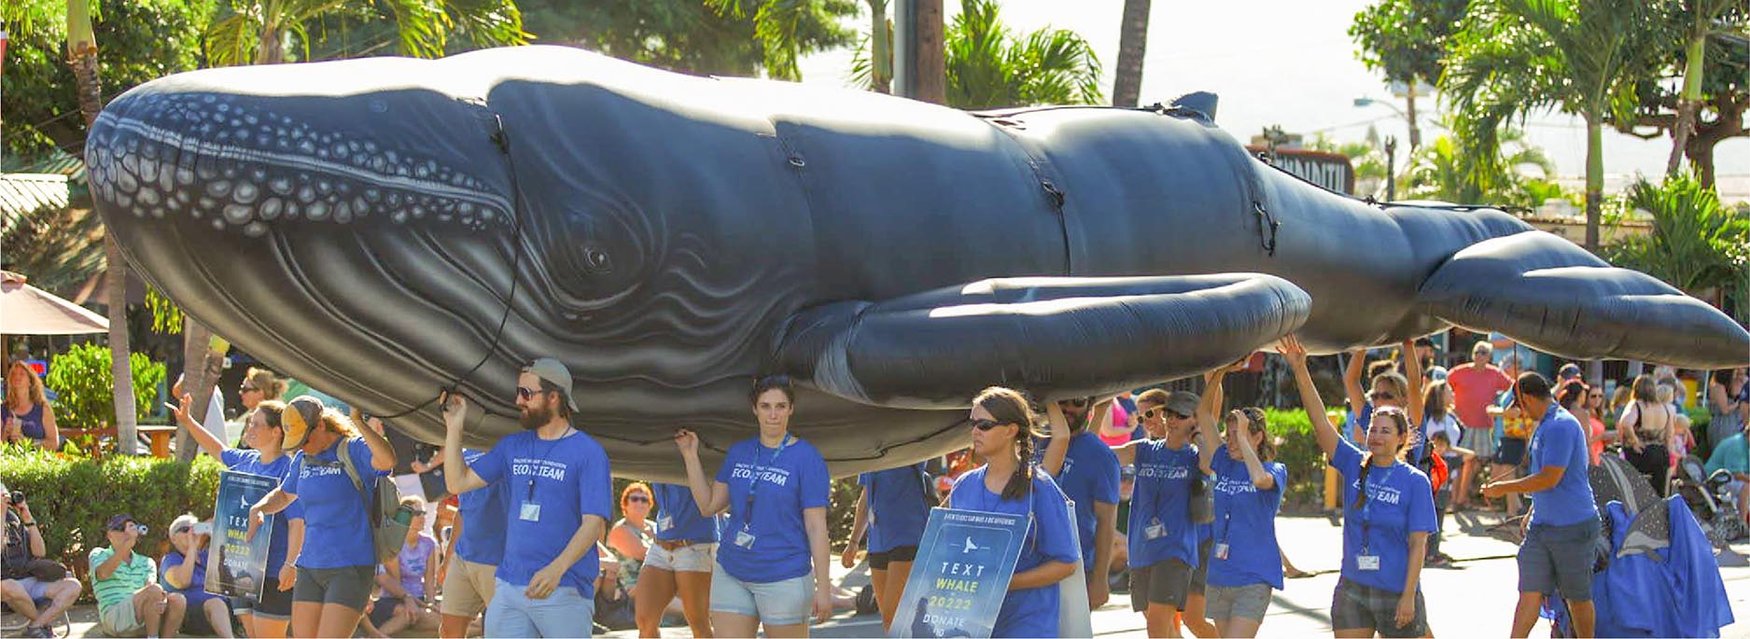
[{"x": 1475, "y": 385}]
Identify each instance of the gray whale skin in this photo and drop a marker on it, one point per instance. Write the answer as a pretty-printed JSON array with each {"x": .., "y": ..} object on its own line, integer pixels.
[{"x": 367, "y": 225}]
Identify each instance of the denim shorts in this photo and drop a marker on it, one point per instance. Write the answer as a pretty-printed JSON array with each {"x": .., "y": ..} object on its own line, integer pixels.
[
  {"x": 778, "y": 603},
  {"x": 565, "y": 613},
  {"x": 1243, "y": 602},
  {"x": 1559, "y": 558},
  {"x": 1354, "y": 605}
]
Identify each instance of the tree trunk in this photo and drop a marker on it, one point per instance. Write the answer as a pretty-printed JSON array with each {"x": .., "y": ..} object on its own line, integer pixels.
[
  {"x": 930, "y": 73},
  {"x": 82, "y": 57},
  {"x": 880, "y": 47},
  {"x": 1688, "y": 102},
  {"x": 270, "y": 51},
  {"x": 1410, "y": 114},
  {"x": 203, "y": 361},
  {"x": 1132, "y": 46},
  {"x": 1594, "y": 180}
]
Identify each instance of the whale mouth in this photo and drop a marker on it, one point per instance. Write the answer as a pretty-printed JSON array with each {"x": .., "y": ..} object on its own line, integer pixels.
[{"x": 247, "y": 166}]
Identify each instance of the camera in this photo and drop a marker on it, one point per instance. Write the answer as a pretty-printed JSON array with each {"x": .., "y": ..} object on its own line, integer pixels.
[{"x": 17, "y": 496}]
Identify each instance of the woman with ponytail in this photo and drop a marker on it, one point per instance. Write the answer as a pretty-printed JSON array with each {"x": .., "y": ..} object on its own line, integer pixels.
[
  {"x": 1388, "y": 513},
  {"x": 1002, "y": 435},
  {"x": 1245, "y": 561}
]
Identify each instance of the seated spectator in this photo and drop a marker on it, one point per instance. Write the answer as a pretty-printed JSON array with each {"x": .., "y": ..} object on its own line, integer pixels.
[
  {"x": 408, "y": 581},
  {"x": 184, "y": 572},
  {"x": 1733, "y": 455},
  {"x": 129, "y": 601},
  {"x": 26, "y": 416},
  {"x": 25, "y": 575}
]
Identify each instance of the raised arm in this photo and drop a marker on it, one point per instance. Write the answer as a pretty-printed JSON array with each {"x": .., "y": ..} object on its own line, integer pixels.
[
  {"x": 1207, "y": 407},
  {"x": 1058, "y": 447},
  {"x": 1261, "y": 477},
  {"x": 1413, "y": 371},
  {"x": 1352, "y": 389},
  {"x": 1292, "y": 349},
  {"x": 208, "y": 443},
  {"x": 1126, "y": 452},
  {"x": 382, "y": 454},
  {"x": 459, "y": 478},
  {"x": 712, "y": 497}
]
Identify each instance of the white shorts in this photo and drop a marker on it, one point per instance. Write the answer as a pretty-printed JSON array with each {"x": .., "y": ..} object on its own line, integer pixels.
[
  {"x": 689, "y": 558},
  {"x": 779, "y": 603}
]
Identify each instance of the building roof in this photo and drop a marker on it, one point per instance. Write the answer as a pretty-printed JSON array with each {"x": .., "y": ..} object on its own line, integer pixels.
[{"x": 25, "y": 193}]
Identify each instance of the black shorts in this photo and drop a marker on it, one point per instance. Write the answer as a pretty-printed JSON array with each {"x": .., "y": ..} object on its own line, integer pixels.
[
  {"x": 1200, "y": 574},
  {"x": 195, "y": 621},
  {"x": 1511, "y": 452},
  {"x": 1357, "y": 606},
  {"x": 383, "y": 610},
  {"x": 349, "y": 586},
  {"x": 879, "y": 560},
  {"x": 274, "y": 604},
  {"x": 1165, "y": 582}
]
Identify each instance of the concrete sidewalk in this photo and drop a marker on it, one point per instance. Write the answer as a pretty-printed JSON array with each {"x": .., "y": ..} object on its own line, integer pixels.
[{"x": 1473, "y": 597}]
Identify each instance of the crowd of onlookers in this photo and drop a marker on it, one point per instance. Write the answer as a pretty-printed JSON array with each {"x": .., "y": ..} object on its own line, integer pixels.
[{"x": 520, "y": 544}]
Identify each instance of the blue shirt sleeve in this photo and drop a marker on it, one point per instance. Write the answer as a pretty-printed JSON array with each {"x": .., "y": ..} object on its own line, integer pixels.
[
  {"x": 595, "y": 495},
  {"x": 1421, "y": 510},
  {"x": 289, "y": 485},
  {"x": 1347, "y": 459},
  {"x": 294, "y": 511},
  {"x": 231, "y": 457},
  {"x": 362, "y": 456},
  {"x": 1051, "y": 515},
  {"x": 1557, "y": 449},
  {"x": 1107, "y": 480},
  {"x": 491, "y": 466},
  {"x": 1280, "y": 472},
  {"x": 816, "y": 485},
  {"x": 723, "y": 472},
  {"x": 172, "y": 559}
]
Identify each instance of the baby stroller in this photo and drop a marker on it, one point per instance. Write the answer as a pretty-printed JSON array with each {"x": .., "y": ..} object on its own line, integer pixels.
[
  {"x": 1712, "y": 501},
  {"x": 1654, "y": 574}
]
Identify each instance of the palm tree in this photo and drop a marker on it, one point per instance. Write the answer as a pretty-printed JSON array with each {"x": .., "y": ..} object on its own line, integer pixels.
[
  {"x": 990, "y": 68},
  {"x": 1515, "y": 57},
  {"x": 264, "y": 31},
  {"x": 1696, "y": 243},
  {"x": 1697, "y": 23},
  {"x": 1132, "y": 45},
  {"x": 778, "y": 25},
  {"x": 1449, "y": 171}
]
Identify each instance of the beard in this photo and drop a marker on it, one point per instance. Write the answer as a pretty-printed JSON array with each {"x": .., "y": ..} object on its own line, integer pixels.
[{"x": 534, "y": 418}]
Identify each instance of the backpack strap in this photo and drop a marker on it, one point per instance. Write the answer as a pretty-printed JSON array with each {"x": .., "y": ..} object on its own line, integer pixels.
[{"x": 357, "y": 484}]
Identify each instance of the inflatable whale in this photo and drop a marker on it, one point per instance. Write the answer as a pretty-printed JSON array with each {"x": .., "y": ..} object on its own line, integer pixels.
[{"x": 382, "y": 228}]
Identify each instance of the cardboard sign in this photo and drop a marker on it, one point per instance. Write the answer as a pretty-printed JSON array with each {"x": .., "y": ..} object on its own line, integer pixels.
[
  {"x": 237, "y": 567},
  {"x": 961, "y": 574}
]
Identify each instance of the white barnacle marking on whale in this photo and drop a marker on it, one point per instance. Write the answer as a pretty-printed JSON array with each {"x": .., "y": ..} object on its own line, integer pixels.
[
  {"x": 237, "y": 213},
  {"x": 245, "y": 192},
  {"x": 148, "y": 197},
  {"x": 219, "y": 188},
  {"x": 255, "y": 229},
  {"x": 318, "y": 211},
  {"x": 270, "y": 208}
]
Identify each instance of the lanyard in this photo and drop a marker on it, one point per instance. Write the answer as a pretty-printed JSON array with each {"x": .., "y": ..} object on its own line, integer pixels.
[
  {"x": 1367, "y": 510},
  {"x": 1161, "y": 482},
  {"x": 753, "y": 482},
  {"x": 530, "y": 497}
]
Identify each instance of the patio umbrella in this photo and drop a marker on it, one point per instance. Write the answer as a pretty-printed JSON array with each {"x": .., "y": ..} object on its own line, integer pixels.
[{"x": 28, "y": 310}]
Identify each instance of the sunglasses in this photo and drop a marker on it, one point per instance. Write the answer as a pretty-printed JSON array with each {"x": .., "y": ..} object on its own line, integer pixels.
[
  {"x": 1380, "y": 396},
  {"x": 1078, "y": 402},
  {"x": 985, "y": 424},
  {"x": 1153, "y": 413},
  {"x": 248, "y": 389},
  {"x": 526, "y": 393},
  {"x": 121, "y": 526},
  {"x": 638, "y": 499}
]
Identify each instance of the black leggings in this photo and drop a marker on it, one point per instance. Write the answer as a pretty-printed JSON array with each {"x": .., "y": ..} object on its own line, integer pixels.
[{"x": 1654, "y": 460}]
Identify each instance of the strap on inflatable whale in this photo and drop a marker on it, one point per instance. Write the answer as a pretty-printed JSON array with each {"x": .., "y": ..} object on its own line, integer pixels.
[
  {"x": 1058, "y": 336},
  {"x": 1549, "y": 294}
]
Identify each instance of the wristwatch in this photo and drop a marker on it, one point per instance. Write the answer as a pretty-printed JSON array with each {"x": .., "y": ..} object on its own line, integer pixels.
[{"x": 30, "y": 524}]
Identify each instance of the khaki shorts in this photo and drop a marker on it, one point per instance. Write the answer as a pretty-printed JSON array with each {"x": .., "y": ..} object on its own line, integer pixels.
[
  {"x": 690, "y": 558},
  {"x": 468, "y": 586},
  {"x": 119, "y": 619}
]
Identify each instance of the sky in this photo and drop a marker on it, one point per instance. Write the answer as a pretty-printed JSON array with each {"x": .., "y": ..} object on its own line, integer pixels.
[{"x": 1291, "y": 62}]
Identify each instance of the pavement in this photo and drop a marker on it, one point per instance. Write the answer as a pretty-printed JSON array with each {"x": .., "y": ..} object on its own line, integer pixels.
[{"x": 1473, "y": 597}]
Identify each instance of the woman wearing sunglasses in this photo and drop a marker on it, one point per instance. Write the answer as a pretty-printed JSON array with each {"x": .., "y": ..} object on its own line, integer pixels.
[
  {"x": 1388, "y": 513},
  {"x": 1245, "y": 560},
  {"x": 630, "y": 537},
  {"x": 1401, "y": 391},
  {"x": 775, "y": 487},
  {"x": 265, "y": 435},
  {"x": 1163, "y": 541},
  {"x": 1002, "y": 435}
]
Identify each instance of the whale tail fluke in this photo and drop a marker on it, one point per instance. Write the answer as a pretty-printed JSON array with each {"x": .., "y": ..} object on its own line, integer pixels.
[
  {"x": 1549, "y": 294},
  {"x": 1056, "y": 336}
]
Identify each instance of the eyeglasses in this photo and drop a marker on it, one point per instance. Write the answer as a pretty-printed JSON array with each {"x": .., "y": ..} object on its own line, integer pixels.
[
  {"x": 638, "y": 499},
  {"x": 526, "y": 393},
  {"x": 985, "y": 424},
  {"x": 1381, "y": 396}
]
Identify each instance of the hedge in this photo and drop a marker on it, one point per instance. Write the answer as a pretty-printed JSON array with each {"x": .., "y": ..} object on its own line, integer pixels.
[{"x": 73, "y": 497}]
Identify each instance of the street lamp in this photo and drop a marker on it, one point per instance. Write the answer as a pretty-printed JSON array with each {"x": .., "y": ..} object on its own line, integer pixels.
[{"x": 1415, "y": 131}]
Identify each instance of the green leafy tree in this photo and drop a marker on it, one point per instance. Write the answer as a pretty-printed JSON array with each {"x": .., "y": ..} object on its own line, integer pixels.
[
  {"x": 1696, "y": 243},
  {"x": 274, "y": 31},
  {"x": 1516, "y": 57},
  {"x": 1449, "y": 171},
  {"x": 988, "y": 67},
  {"x": 1723, "y": 83},
  {"x": 689, "y": 36},
  {"x": 782, "y": 27},
  {"x": 1695, "y": 22},
  {"x": 1406, "y": 41}
]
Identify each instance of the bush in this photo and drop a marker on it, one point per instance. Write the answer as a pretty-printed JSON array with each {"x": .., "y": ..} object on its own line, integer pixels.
[
  {"x": 82, "y": 379},
  {"x": 1298, "y": 449},
  {"x": 74, "y": 497}
]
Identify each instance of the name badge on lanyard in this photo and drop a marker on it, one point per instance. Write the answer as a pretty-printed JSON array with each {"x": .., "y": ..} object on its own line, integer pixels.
[
  {"x": 745, "y": 537},
  {"x": 1367, "y": 562},
  {"x": 530, "y": 509},
  {"x": 1155, "y": 530}
]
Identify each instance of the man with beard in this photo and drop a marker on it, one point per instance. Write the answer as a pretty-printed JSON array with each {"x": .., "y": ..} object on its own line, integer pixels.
[
  {"x": 558, "y": 493},
  {"x": 1087, "y": 471}
]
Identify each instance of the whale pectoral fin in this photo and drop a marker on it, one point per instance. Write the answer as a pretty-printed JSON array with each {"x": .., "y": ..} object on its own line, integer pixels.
[
  {"x": 1062, "y": 336},
  {"x": 1554, "y": 296}
]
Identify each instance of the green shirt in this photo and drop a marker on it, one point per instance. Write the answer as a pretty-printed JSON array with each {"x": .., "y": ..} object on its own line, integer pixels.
[{"x": 127, "y": 579}]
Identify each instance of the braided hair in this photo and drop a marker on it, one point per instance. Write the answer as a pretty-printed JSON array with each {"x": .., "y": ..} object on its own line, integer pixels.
[
  {"x": 1403, "y": 422},
  {"x": 1007, "y": 406}
]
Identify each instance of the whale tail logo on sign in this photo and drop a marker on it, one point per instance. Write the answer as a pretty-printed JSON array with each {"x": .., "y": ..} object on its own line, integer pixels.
[
  {"x": 955, "y": 590},
  {"x": 240, "y": 564}
]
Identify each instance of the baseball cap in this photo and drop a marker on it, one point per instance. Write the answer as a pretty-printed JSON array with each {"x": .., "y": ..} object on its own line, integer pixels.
[
  {"x": 119, "y": 521},
  {"x": 1569, "y": 370},
  {"x": 302, "y": 414},
  {"x": 1183, "y": 403},
  {"x": 553, "y": 372}
]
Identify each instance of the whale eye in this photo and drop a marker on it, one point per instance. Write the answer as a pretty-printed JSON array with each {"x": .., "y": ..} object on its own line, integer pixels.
[{"x": 596, "y": 260}]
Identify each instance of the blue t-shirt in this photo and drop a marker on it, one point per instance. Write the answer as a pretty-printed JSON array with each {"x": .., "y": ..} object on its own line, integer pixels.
[
  {"x": 549, "y": 486},
  {"x": 1560, "y": 442},
  {"x": 678, "y": 517},
  {"x": 1030, "y": 612},
  {"x": 1245, "y": 520},
  {"x": 791, "y": 478},
  {"x": 196, "y": 589},
  {"x": 337, "y": 532},
  {"x": 485, "y": 512},
  {"x": 1730, "y": 454},
  {"x": 1162, "y": 497},
  {"x": 249, "y": 461},
  {"x": 898, "y": 506},
  {"x": 1400, "y": 501},
  {"x": 1090, "y": 474}
]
